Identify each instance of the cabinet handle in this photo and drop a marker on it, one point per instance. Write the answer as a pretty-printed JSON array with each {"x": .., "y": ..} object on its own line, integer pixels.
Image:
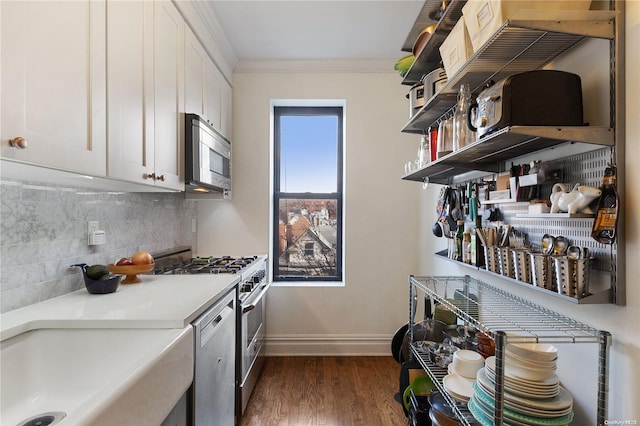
[
  {"x": 151, "y": 176},
  {"x": 19, "y": 142},
  {"x": 161, "y": 177}
]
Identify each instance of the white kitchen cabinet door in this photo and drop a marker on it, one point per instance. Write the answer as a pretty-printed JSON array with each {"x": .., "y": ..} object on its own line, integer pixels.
[
  {"x": 168, "y": 69},
  {"x": 194, "y": 60},
  {"x": 53, "y": 83},
  {"x": 202, "y": 82},
  {"x": 226, "y": 106},
  {"x": 130, "y": 91},
  {"x": 212, "y": 94}
]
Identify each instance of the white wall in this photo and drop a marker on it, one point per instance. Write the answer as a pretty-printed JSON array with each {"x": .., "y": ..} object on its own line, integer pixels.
[
  {"x": 578, "y": 363},
  {"x": 381, "y": 211}
]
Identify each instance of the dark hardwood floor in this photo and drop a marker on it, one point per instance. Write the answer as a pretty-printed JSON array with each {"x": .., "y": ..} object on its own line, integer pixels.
[{"x": 326, "y": 391}]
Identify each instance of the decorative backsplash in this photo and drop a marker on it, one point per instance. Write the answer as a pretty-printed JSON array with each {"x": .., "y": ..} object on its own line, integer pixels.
[{"x": 43, "y": 230}]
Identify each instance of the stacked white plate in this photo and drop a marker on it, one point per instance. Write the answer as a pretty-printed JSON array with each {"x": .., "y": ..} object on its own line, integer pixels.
[
  {"x": 536, "y": 389},
  {"x": 459, "y": 387},
  {"x": 531, "y": 361},
  {"x": 532, "y": 391}
]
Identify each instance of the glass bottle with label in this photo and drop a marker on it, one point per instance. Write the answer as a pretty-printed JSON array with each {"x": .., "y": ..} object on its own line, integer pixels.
[
  {"x": 462, "y": 135},
  {"x": 605, "y": 223}
]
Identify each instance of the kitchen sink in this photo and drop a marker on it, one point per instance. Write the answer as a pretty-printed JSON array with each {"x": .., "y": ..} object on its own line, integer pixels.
[{"x": 94, "y": 376}]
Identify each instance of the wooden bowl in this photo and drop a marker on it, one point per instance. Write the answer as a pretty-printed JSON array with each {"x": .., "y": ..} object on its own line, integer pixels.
[
  {"x": 131, "y": 271},
  {"x": 422, "y": 39}
]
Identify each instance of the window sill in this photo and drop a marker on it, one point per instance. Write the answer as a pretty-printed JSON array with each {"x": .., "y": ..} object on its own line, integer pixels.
[{"x": 307, "y": 283}]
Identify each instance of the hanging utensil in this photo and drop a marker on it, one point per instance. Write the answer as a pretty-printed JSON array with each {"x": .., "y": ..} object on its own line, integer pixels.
[
  {"x": 437, "y": 228},
  {"x": 456, "y": 213},
  {"x": 451, "y": 222},
  {"x": 473, "y": 210}
]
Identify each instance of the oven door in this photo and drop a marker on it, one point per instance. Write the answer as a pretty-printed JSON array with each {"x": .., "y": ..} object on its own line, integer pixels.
[{"x": 252, "y": 339}]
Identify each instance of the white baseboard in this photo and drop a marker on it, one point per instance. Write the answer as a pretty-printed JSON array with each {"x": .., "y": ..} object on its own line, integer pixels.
[{"x": 328, "y": 345}]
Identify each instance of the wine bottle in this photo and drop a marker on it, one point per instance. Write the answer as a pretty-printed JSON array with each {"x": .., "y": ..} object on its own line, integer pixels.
[{"x": 606, "y": 221}]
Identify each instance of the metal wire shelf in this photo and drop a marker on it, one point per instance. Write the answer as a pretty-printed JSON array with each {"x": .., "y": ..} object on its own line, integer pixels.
[
  {"x": 508, "y": 319},
  {"x": 490, "y": 309}
]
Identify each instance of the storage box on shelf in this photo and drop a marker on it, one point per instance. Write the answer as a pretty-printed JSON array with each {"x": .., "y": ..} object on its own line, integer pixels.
[
  {"x": 496, "y": 313},
  {"x": 484, "y": 17},
  {"x": 456, "y": 49}
]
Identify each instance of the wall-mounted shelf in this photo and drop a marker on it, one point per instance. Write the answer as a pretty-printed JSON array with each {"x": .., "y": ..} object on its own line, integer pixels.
[
  {"x": 520, "y": 45},
  {"x": 555, "y": 215},
  {"x": 600, "y": 297},
  {"x": 429, "y": 58},
  {"x": 488, "y": 153}
]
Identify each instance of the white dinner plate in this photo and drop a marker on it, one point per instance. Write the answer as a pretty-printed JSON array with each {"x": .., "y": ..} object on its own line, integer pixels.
[
  {"x": 525, "y": 390},
  {"x": 550, "y": 382},
  {"x": 458, "y": 386}
]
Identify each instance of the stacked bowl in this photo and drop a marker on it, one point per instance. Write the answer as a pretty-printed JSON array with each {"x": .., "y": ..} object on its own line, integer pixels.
[
  {"x": 532, "y": 391},
  {"x": 462, "y": 373}
]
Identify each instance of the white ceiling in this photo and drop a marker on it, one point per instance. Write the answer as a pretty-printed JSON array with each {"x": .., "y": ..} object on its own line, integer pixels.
[{"x": 316, "y": 29}]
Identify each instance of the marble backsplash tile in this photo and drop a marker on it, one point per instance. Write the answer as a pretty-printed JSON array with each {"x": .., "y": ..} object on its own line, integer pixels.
[{"x": 43, "y": 230}]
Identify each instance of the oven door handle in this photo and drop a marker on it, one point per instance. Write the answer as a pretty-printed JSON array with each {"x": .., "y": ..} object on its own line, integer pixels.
[{"x": 251, "y": 307}]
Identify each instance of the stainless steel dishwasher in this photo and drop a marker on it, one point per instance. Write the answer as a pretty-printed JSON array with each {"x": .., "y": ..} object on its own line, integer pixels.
[{"x": 214, "y": 386}]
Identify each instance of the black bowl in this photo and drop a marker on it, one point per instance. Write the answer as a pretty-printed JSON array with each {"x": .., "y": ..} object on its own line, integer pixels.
[{"x": 109, "y": 285}]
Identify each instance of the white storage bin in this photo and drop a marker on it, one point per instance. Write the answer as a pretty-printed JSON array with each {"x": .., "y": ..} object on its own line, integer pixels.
[
  {"x": 456, "y": 49},
  {"x": 484, "y": 17}
]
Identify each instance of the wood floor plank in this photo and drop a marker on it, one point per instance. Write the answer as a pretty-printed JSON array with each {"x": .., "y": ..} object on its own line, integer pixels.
[{"x": 326, "y": 391}]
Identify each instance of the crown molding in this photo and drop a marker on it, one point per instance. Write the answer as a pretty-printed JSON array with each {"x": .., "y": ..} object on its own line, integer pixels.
[
  {"x": 315, "y": 66},
  {"x": 206, "y": 26}
]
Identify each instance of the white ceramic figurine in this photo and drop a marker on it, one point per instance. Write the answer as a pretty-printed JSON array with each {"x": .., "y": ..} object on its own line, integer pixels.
[{"x": 577, "y": 200}]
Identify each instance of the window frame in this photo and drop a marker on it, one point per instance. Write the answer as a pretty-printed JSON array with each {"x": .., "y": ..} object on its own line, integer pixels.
[{"x": 338, "y": 195}]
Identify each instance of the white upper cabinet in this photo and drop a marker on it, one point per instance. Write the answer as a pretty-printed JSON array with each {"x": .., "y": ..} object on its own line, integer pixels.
[
  {"x": 225, "y": 110},
  {"x": 130, "y": 90},
  {"x": 53, "y": 83},
  {"x": 194, "y": 59},
  {"x": 207, "y": 92},
  {"x": 168, "y": 86},
  {"x": 145, "y": 93}
]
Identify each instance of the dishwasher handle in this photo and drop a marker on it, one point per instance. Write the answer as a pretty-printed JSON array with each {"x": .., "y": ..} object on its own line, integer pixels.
[{"x": 209, "y": 329}]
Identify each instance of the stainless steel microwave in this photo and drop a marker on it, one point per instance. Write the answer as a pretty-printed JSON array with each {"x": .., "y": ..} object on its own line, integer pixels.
[{"x": 207, "y": 158}]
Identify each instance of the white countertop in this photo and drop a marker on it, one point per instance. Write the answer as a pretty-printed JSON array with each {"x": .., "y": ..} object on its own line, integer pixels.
[{"x": 159, "y": 301}]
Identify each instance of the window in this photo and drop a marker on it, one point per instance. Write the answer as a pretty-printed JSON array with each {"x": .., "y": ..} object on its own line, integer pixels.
[
  {"x": 308, "y": 169},
  {"x": 308, "y": 249}
]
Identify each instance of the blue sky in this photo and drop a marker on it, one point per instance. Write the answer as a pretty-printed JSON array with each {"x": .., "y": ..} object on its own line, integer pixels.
[{"x": 308, "y": 154}]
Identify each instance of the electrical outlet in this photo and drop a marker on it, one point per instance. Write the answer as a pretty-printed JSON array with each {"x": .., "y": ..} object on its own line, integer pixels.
[{"x": 92, "y": 226}]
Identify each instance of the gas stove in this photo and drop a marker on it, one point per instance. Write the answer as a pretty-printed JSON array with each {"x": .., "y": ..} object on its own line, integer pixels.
[
  {"x": 208, "y": 265},
  {"x": 179, "y": 261}
]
